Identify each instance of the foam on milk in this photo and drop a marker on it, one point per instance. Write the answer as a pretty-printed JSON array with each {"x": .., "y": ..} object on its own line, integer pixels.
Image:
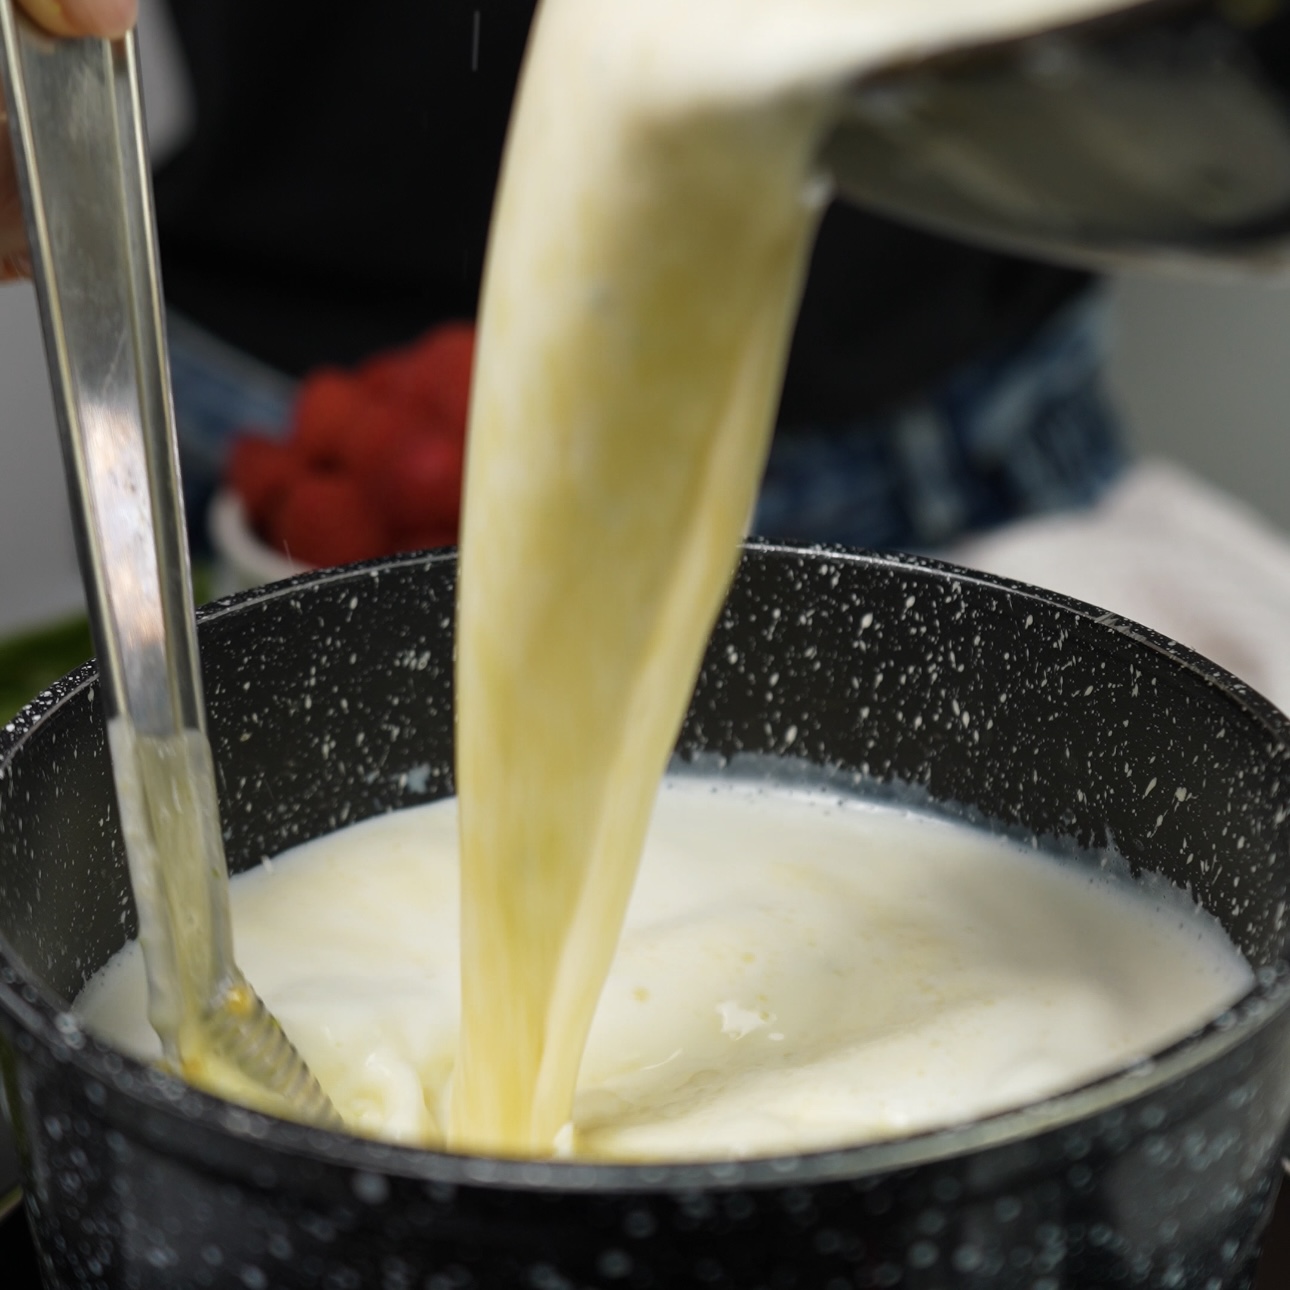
[
  {"x": 797, "y": 971},
  {"x": 655, "y": 214}
]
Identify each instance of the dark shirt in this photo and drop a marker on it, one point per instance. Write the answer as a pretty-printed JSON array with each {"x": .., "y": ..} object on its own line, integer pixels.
[{"x": 334, "y": 201}]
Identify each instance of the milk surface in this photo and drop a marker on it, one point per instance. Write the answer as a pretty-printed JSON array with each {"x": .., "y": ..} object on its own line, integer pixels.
[
  {"x": 796, "y": 971},
  {"x": 658, "y": 200}
]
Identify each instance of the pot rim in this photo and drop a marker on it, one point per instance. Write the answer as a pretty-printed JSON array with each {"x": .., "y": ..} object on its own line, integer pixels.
[{"x": 36, "y": 1011}]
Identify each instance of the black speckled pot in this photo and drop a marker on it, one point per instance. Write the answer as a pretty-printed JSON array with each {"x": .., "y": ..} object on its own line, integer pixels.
[{"x": 330, "y": 700}]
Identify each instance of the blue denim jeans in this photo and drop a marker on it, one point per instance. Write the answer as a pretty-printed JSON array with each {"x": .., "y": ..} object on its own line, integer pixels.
[
  {"x": 218, "y": 391},
  {"x": 1026, "y": 430}
]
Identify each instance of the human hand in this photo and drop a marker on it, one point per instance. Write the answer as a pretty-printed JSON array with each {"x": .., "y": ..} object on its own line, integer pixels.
[{"x": 106, "y": 18}]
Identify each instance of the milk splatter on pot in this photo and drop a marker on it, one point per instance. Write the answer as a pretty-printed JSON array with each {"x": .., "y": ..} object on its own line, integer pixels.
[{"x": 330, "y": 701}]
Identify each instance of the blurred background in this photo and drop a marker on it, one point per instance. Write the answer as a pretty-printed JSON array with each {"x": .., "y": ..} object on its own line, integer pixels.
[{"x": 1201, "y": 374}]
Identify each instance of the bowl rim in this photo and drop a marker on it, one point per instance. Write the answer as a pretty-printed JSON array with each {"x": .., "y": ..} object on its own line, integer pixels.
[
  {"x": 236, "y": 542},
  {"x": 134, "y": 1084}
]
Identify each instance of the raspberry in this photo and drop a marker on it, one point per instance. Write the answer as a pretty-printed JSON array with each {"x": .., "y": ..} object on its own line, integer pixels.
[
  {"x": 327, "y": 405},
  {"x": 444, "y": 362},
  {"x": 378, "y": 431},
  {"x": 259, "y": 470},
  {"x": 325, "y": 520},
  {"x": 418, "y": 487},
  {"x": 431, "y": 376},
  {"x": 385, "y": 376}
]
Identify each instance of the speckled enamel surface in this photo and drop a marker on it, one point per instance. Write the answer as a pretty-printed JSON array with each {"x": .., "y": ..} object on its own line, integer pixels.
[{"x": 330, "y": 700}]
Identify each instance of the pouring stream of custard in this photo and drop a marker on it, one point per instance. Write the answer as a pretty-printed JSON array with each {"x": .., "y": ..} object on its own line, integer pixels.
[{"x": 657, "y": 206}]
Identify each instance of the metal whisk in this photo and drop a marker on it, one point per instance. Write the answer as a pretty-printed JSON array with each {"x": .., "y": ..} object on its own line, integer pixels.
[{"x": 76, "y": 123}]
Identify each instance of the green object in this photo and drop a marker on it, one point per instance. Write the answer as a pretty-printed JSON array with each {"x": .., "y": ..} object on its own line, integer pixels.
[{"x": 36, "y": 659}]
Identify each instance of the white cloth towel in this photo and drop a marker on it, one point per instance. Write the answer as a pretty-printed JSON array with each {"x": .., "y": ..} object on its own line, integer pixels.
[{"x": 1173, "y": 553}]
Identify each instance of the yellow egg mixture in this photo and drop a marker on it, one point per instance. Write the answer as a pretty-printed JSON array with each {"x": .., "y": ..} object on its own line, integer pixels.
[{"x": 656, "y": 210}]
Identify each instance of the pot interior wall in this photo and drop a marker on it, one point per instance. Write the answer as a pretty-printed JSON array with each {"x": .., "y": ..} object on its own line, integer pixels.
[{"x": 330, "y": 700}]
